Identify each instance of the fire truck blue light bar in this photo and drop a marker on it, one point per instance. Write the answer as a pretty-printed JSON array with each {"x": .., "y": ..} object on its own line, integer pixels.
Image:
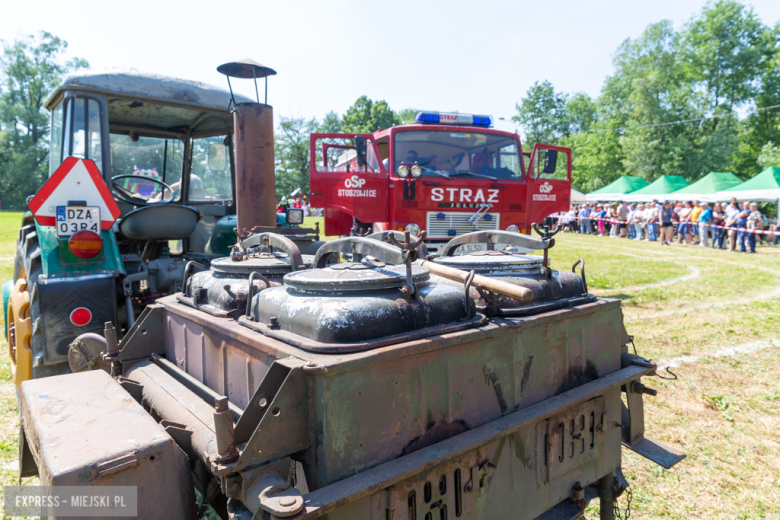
[{"x": 441, "y": 118}]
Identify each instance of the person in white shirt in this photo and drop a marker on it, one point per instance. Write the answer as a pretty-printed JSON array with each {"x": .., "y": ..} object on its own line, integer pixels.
[{"x": 732, "y": 210}]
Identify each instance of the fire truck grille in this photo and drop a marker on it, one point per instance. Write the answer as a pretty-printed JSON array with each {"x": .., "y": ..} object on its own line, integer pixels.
[{"x": 458, "y": 222}]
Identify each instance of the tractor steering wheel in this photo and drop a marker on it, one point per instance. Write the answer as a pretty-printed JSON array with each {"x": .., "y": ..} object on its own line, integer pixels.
[{"x": 134, "y": 199}]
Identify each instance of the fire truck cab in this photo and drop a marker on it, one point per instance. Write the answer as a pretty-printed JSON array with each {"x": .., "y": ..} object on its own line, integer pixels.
[{"x": 446, "y": 174}]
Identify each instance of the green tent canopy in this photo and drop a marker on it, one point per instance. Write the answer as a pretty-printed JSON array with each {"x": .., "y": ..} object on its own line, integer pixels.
[
  {"x": 706, "y": 189},
  {"x": 764, "y": 186},
  {"x": 660, "y": 189},
  {"x": 618, "y": 189}
]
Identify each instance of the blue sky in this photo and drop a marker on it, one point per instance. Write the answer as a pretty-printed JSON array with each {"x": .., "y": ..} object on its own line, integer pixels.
[{"x": 478, "y": 57}]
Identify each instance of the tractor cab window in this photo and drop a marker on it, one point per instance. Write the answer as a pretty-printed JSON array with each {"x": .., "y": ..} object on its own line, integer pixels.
[
  {"x": 210, "y": 179},
  {"x": 139, "y": 158},
  {"x": 463, "y": 153},
  {"x": 55, "y": 150},
  {"x": 82, "y": 130}
]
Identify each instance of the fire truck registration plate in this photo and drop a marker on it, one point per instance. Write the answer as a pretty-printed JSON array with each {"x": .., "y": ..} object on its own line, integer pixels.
[
  {"x": 471, "y": 248},
  {"x": 71, "y": 219}
]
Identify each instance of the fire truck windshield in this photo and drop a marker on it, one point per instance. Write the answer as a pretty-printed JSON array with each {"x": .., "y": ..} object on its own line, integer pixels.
[{"x": 448, "y": 153}]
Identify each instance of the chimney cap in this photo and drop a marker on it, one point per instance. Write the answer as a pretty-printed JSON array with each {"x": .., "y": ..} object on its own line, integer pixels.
[{"x": 246, "y": 69}]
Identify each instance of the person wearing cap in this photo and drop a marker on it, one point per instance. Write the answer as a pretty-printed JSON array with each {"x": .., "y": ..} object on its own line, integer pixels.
[
  {"x": 704, "y": 218},
  {"x": 600, "y": 213},
  {"x": 284, "y": 205},
  {"x": 695, "y": 212}
]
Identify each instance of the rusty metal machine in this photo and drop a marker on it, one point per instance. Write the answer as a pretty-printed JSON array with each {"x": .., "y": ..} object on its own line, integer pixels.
[{"x": 391, "y": 386}]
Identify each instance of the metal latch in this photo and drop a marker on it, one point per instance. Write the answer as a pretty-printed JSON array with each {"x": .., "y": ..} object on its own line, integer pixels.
[{"x": 478, "y": 475}]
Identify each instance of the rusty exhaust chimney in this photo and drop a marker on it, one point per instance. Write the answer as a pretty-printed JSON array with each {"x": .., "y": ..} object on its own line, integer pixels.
[{"x": 253, "y": 142}]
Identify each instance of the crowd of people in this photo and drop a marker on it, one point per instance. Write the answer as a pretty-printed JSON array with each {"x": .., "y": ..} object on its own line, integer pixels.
[
  {"x": 729, "y": 226},
  {"x": 301, "y": 202}
]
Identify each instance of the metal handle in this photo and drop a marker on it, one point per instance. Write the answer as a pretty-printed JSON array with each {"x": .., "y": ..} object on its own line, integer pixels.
[
  {"x": 582, "y": 275},
  {"x": 382, "y": 236},
  {"x": 251, "y": 291},
  {"x": 495, "y": 237},
  {"x": 274, "y": 240},
  {"x": 362, "y": 246},
  {"x": 467, "y": 286},
  {"x": 493, "y": 285},
  {"x": 187, "y": 273}
]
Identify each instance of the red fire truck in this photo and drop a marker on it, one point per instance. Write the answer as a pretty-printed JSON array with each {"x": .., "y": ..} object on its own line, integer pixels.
[{"x": 446, "y": 174}]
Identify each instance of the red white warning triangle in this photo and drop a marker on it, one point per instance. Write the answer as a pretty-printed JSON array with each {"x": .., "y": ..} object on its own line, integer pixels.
[{"x": 75, "y": 179}]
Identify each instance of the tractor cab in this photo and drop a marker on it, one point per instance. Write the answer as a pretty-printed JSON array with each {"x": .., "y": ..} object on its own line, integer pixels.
[
  {"x": 157, "y": 167},
  {"x": 162, "y": 145}
]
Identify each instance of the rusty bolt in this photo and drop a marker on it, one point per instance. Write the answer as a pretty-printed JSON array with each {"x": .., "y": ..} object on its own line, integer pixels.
[
  {"x": 639, "y": 388},
  {"x": 221, "y": 404},
  {"x": 406, "y": 290},
  {"x": 274, "y": 321},
  {"x": 234, "y": 487}
]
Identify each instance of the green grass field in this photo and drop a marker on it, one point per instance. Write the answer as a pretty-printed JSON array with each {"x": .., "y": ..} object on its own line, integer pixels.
[{"x": 682, "y": 303}]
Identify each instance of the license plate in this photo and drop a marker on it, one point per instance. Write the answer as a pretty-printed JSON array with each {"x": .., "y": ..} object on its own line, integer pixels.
[
  {"x": 465, "y": 249},
  {"x": 71, "y": 219}
]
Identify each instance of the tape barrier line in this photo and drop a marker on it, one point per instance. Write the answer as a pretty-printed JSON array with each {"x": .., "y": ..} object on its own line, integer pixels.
[{"x": 675, "y": 224}]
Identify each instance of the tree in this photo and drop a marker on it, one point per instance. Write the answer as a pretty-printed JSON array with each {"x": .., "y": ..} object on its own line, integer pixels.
[
  {"x": 769, "y": 156},
  {"x": 542, "y": 114},
  {"x": 407, "y": 115},
  {"x": 367, "y": 116},
  {"x": 580, "y": 113},
  {"x": 291, "y": 151},
  {"x": 331, "y": 124},
  {"x": 29, "y": 69}
]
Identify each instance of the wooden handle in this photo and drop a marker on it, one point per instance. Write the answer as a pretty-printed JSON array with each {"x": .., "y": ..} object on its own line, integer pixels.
[{"x": 491, "y": 284}]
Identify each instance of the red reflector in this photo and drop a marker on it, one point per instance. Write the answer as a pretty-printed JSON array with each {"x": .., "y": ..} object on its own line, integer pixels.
[
  {"x": 80, "y": 316},
  {"x": 85, "y": 244}
]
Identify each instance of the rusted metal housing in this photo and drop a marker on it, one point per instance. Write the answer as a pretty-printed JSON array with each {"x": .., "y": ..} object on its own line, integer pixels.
[
  {"x": 85, "y": 430},
  {"x": 253, "y": 128},
  {"x": 447, "y": 415},
  {"x": 340, "y": 416}
]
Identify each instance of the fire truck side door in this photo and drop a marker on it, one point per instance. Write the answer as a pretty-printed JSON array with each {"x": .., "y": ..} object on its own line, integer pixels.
[
  {"x": 338, "y": 184},
  {"x": 549, "y": 182}
]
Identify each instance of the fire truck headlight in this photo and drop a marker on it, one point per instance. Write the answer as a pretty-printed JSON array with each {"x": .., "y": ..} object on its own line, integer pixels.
[
  {"x": 416, "y": 171},
  {"x": 403, "y": 171},
  {"x": 414, "y": 229},
  {"x": 512, "y": 228}
]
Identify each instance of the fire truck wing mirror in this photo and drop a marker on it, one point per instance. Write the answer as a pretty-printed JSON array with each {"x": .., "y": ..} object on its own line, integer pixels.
[
  {"x": 217, "y": 157},
  {"x": 550, "y": 161},
  {"x": 360, "y": 148}
]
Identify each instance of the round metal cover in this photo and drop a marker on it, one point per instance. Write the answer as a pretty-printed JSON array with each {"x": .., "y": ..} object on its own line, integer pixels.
[
  {"x": 362, "y": 276},
  {"x": 263, "y": 264},
  {"x": 246, "y": 69},
  {"x": 482, "y": 261}
]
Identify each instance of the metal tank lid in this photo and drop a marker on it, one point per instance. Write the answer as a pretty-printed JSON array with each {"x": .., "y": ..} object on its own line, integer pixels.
[
  {"x": 264, "y": 263},
  {"x": 492, "y": 261},
  {"x": 363, "y": 276}
]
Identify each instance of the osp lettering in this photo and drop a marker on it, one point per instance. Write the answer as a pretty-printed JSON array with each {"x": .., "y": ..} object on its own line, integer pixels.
[{"x": 354, "y": 182}]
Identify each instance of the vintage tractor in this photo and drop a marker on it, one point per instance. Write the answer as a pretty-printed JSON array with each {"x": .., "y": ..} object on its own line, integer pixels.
[
  {"x": 163, "y": 150},
  {"x": 392, "y": 386}
]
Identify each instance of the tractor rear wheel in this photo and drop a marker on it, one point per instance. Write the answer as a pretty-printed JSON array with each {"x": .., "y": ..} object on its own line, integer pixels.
[{"x": 27, "y": 343}]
